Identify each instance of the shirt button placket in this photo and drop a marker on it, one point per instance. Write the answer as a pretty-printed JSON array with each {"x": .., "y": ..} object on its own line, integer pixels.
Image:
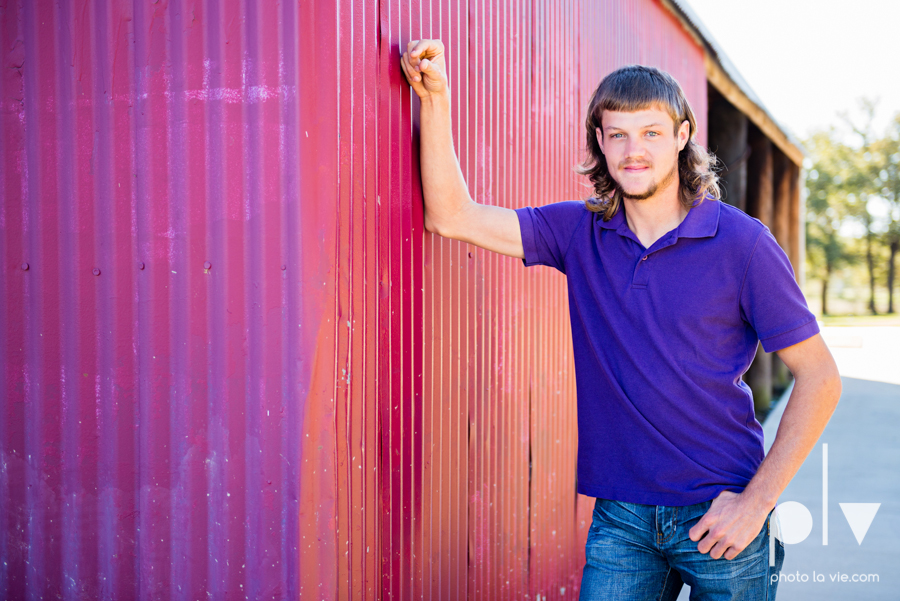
[{"x": 642, "y": 273}]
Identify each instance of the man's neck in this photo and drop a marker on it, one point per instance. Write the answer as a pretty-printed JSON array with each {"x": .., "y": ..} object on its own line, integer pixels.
[{"x": 652, "y": 218}]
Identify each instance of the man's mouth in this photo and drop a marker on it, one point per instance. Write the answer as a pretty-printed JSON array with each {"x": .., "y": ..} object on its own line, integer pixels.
[{"x": 636, "y": 168}]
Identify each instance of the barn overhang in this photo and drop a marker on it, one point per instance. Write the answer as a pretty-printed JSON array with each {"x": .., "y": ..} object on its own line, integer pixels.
[{"x": 727, "y": 80}]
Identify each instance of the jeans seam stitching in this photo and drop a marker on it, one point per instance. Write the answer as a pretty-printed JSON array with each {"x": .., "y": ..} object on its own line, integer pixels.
[
  {"x": 665, "y": 580},
  {"x": 674, "y": 529},
  {"x": 769, "y": 568}
]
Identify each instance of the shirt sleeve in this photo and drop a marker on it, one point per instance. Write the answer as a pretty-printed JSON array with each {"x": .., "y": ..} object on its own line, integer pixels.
[
  {"x": 771, "y": 300},
  {"x": 547, "y": 231}
]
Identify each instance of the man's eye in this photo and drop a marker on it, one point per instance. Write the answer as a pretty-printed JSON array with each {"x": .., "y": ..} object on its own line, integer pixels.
[
  {"x": 616, "y": 136},
  {"x": 653, "y": 133}
]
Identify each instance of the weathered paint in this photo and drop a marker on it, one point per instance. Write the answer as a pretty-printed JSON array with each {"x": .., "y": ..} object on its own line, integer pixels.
[{"x": 235, "y": 364}]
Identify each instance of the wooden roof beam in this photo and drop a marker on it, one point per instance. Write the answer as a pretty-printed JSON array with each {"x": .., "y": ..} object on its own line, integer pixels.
[{"x": 717, "y": 77}]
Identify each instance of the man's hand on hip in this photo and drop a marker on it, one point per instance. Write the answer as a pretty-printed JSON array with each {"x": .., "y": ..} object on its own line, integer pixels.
[{"x": 730, "y": 524}]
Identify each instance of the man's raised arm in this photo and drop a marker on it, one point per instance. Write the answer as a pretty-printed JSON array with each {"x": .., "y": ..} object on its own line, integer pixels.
[{"x": 449, "y": 210}]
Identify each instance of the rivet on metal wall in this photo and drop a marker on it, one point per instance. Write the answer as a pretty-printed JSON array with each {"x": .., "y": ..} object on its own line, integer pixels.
[
  {"x": 207, "y": 265},
  {"x": 140, "y": 264},
  {"x": 470, "y": 255},
  {"x": 25, "y": 267},
  {"x": 96, "y": 271},
  {"x": 283, "y": 267}
]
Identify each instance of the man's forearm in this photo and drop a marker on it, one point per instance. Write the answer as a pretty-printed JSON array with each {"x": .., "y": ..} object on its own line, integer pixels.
[
  {"x": 735, "y": 519},
  {"x": 449, "y": 210},
  {"x": 812, "y": 402},
  {"x": 443, "y": 185}
]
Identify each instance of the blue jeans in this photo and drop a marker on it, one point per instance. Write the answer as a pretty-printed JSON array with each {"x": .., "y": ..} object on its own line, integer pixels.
[{"x": 643, "y": 553}]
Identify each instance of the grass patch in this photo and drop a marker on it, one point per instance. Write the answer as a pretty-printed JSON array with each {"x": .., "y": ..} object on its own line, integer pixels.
[{"x": 861, "y": 320}]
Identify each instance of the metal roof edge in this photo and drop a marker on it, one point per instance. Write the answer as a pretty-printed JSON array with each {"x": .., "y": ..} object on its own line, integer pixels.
[{"x": 723, "y": 75}]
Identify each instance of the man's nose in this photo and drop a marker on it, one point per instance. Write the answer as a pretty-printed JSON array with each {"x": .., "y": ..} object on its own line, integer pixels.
[{"x": 635, "y": 148}]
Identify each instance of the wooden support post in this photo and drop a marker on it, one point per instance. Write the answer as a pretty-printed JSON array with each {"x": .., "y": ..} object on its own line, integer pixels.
[
  {"x": 760, "y": 204},
  {"x": 782, "y": 199},
  {"x": 759, "y": 379},
  {"x": 786, "y": 175},
  {"x": 795, "y": 225},
  {"x": 727, "y": 139},
  {"x": 760, "y": 189}
]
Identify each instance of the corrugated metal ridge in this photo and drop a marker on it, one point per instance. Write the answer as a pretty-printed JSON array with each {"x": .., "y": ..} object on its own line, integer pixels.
[
  {"x": 232, "y": 363},
  {"x": 686, "y": 14}
]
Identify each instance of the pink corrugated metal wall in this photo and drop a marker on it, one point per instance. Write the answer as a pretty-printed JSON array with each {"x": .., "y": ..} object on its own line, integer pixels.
[{"x": 233, "y": 363}]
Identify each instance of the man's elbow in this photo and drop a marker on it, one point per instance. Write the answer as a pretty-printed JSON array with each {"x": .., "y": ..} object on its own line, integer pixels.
[
  {"x": 441, "y": 227},
  {"x": 837, "y": 387},
  {"x": 432, "y": 226},
  {"x": 833, "y": 385}
]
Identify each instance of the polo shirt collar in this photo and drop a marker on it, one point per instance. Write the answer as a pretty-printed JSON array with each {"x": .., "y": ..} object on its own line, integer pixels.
[
  {"x": 616, "y": 221},
  {"x": 702, "y": 221}
]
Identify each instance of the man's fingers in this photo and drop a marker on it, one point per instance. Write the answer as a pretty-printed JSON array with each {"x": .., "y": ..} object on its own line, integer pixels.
[
  {"x": 411, "y": 74},
  {"x": 719, "y": 550},
  {"x": 425, "y": 49},
  {"x": 727, "y": 548},
  {"x": 699, "y": 529},
  {"x": 423, "y": 66},
  {"x": 708, "y": 543},
  {"x": 419, "y": 47},
  {"x": 709, "y": 536},
  {"x": 404, "y": 67}
]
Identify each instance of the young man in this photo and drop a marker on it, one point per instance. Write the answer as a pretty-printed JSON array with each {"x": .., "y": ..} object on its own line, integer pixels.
[{"x": 670, "y": 292}]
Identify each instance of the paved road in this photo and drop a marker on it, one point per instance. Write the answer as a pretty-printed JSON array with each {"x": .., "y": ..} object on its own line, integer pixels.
[
  {"x": 863, "y": 448},
  {"x": 871, "y": 353}
]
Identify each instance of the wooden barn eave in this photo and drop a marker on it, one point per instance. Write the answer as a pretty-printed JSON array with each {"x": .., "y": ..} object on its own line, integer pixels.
[{"x": 738, "y": 92}]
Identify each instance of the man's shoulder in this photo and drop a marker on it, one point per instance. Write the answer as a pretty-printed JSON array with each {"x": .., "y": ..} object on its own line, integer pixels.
[
  {"x": 573, "y": 207},
  {"x": 562, "y": 215},
  {"x": 737, "y": 227}
]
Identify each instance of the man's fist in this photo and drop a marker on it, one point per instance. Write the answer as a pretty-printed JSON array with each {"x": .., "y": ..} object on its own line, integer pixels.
[{"x": 423, "y": 64}]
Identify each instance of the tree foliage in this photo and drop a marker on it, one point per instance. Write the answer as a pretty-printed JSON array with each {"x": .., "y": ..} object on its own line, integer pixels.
[
  {"x": 828, "y": 208},
  {"x": 853, "y": 204}
]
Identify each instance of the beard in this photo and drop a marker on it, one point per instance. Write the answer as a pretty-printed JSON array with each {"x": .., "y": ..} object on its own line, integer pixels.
[{"x": 653, "y": 187}]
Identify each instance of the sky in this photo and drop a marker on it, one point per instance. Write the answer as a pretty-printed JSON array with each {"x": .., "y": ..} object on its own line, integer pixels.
[{"x": 809, "y": 60}]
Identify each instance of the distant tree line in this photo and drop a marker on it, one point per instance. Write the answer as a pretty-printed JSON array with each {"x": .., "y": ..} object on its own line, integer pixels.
[{"x": 853, "y": 205}]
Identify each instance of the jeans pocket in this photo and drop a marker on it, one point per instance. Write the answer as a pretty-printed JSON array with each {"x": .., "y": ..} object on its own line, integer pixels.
[{"x": 773, "y": 528}]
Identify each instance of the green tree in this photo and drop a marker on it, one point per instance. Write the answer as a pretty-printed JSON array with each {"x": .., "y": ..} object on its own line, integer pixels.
[
  {"x": 855, "y": 182},
  {"x": 861, "y": 182},
  {"x": 828, "y": 206},
  {"x": 885, "y": 159}
]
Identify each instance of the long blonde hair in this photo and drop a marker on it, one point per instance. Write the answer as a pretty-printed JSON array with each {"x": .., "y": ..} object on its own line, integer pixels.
[{"x": 635, "y": 88}]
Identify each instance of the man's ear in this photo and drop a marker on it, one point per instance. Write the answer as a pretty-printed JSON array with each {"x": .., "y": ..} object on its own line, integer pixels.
[
  {"x": 684, "y": 134},
  {"x": 599, "y": 137}
]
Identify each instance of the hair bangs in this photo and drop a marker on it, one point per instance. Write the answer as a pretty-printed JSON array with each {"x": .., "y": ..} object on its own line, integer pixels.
[{"x": 636, "y": 90}]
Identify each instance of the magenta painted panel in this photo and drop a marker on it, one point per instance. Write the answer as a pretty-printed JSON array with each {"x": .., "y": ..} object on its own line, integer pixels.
[{"x": 232, "y": 362}]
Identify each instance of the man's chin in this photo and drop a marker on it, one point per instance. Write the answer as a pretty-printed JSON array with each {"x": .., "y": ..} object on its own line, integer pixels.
[{"x": 638, "y": 195}]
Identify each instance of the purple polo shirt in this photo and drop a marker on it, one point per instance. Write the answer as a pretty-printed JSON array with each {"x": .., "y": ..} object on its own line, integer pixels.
[{"x": 661, "y": 338}]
